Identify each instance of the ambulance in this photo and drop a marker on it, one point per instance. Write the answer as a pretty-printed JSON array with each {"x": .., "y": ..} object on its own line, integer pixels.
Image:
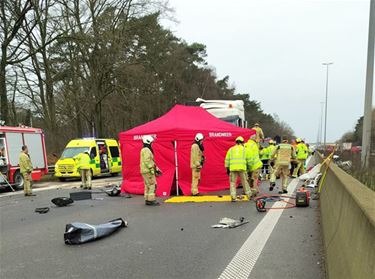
[{"x": 104, "y": 153}]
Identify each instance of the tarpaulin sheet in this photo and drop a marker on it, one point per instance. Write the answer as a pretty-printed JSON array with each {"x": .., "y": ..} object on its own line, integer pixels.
[{"x": 179, "y": 127}]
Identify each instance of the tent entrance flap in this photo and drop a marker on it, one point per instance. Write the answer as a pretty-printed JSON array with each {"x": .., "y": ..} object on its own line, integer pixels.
[{"x": 176, "y": 165}]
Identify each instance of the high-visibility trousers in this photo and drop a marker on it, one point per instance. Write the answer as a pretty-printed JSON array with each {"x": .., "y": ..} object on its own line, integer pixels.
[
  {"x": 300, "y": 167},
  {"x": 27, "y": 180},
  {"x": 86, "y": 178},
  {"x": 283, "y": 172},
  {"x": 195, "y": 178},
  {"x": 149, "y": 180},
  {"x": 233, "y": 176}
]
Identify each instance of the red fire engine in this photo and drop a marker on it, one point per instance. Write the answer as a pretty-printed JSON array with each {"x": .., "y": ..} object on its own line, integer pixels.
[{"x": 11, "y": 141}]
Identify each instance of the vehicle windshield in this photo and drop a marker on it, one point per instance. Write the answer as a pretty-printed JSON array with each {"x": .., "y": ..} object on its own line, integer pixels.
[{"x": 70, "y": 152}]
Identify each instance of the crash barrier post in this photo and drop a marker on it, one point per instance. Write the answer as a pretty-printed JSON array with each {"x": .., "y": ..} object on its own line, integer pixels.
[{"x": 348, "y": 226}]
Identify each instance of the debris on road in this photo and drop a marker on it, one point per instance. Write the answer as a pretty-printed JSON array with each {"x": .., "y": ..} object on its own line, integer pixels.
[
  {"x": 230, "y": 223},
  {"x": 82, "y": 195},
  {"x": 78, "y": 233},
  {"x": 62, "y": 201},
  {"x": 114, "y": 190},
  {"x": 41, "y": 210}
]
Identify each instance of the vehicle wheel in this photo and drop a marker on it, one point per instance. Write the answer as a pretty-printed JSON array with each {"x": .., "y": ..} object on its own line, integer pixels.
[
  {"x": 62, "y": 179},
  {"x": 18, "y": 180},
  {"x": 114, "y": 174}
]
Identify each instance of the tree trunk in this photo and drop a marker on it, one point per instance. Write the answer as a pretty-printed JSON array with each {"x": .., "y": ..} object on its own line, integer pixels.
[{"x": 4, "y": 113}]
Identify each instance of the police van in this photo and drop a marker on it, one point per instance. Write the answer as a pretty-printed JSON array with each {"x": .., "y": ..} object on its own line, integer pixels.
[{"x": 104, "y": 154}]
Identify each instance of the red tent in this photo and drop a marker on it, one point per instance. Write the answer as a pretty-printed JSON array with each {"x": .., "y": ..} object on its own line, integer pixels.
[{"x": 175, "y": 132}]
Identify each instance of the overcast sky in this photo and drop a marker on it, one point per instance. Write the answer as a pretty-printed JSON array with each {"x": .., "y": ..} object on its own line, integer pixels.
[{"x": 274, "y": 51}]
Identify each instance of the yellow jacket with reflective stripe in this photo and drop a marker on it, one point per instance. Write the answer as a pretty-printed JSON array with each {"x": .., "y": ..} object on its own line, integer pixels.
[
  {"x": 237, "y": 158},
  {"x": 83, "y": 161},
  {"x": 253, "y": 153},
  {"x": 147, "y": 163},
  {"x": 25, "y": 163},
  {"x": 302, "y": 152},
  {"x": 195, "y": 156},
  {"x": 283, "y": 153}
]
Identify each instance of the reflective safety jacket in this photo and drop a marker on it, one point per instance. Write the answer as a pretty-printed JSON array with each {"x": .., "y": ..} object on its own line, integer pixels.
[
  {"x": 25, "y": 163},
  {"x": 302, "y": 151},
  {"x": 237, "y": 158},
  {"x": 283, "y": 153},
  {"x": 253, "y": 151},
  {"x": 147, "y": 163},
  {"x": 259, "y": 133},
  {"x": 196, "y": 156},
  {"x": 271, "y": 149},
  {"x": 265, "y": 154},
  {"x": 83, "y": 161}
]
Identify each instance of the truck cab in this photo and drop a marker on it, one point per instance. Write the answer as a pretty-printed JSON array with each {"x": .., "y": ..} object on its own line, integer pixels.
[
  {"x": 104, "y": 154},
  {"x": 231, "y": 111}
]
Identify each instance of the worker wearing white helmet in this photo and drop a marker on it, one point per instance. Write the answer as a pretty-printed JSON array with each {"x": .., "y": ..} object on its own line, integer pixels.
[
  {"x": 196, "y": 162},
  {"x": 149, "y": 170}
]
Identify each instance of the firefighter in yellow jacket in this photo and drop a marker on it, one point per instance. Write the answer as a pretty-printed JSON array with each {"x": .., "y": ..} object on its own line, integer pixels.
[
  {"x": 255, "y": 164},
  {"x": 83, "y": 166},
  {"x": 196, "y": 162},
  {"x": 302, "y": 152},
  {"x": 26, "y": 168},
  {"x": 259, "y": 133},
  {"x": 282, "y": 155},
  {"x": 149, "y": 170},
  {"x": 236, "y": 163}
]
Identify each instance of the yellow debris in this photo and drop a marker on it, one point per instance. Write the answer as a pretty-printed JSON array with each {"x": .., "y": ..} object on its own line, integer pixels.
[{"x": 226, "y": 198}]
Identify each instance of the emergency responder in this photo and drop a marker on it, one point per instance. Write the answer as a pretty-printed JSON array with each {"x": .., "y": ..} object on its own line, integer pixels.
[
  {"x": 265, "y": 156},
  {"x": 293, "y": 162},
  {"x": 196, "y": 162},
  {"x": 302, "y": 152},
  {"x": 236, "y": 163},
  {"x": 283, "y": 154},
  {"x": 271, "y": 149},
  {"x": 83, "y": 166},
  {"x": 26, "y": 168},
  {"x": 259, "y": 133},
  {"x": 255, "y": 164},
  {"x": 149, "y": 170}
]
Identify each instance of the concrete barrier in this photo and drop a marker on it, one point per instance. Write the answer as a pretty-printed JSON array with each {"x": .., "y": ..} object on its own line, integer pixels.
[{"x": 348, "y": 225}]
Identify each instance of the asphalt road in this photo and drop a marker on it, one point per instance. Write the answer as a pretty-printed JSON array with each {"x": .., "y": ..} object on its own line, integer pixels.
[{"x": 170, "y": 241}]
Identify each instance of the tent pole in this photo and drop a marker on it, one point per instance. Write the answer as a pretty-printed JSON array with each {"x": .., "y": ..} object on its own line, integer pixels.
[{"x": 176, "y": 164}]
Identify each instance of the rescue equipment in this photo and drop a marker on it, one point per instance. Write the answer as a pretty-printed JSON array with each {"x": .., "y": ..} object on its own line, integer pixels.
[
  {"x": 302, "y": 197},
  {"x": 260, "y": 205}
]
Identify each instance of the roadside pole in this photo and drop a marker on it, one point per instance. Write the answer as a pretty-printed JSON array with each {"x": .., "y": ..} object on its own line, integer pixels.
[{"x": 367, "y": 116}]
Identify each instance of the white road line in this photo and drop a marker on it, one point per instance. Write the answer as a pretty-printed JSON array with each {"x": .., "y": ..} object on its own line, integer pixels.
[{"x": 244, "y": 261}]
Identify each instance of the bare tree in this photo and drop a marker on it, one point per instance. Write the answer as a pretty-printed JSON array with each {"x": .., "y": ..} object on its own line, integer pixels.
[{"x": 13, "y": 14}]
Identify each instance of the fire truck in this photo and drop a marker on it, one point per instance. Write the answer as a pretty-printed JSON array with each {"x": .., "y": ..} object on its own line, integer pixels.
[{"x": 11, "y": 141}]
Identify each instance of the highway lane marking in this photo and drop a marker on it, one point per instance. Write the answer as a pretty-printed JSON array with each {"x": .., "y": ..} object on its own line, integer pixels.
[
  {"x": 246, "y": 257},
  {"x": 244, "y": 261}
]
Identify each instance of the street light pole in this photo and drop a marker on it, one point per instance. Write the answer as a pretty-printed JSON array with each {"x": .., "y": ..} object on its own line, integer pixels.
[
  {"x": 366, "y": 134},
  {"x": 321, "y": 122},
  {"x": 326, "y": 106}
]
